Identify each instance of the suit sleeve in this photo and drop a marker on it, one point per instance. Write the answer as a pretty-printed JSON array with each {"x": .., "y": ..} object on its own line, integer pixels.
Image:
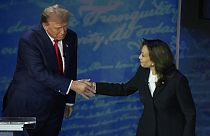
[
  {"x": 187, "y": 106},
  {"x": 119, "y": 89},
  {"x": 33, "y": 61}
]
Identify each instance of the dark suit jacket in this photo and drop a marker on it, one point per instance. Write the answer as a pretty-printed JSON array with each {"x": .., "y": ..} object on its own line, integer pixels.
[
  {"x": 37, "y": 88},
  {"x": 171, "y": 110}
]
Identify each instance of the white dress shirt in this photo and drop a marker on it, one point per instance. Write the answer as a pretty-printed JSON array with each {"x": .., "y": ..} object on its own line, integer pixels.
[
  {"x": 60, "y": 46},
  {"x": 152, "y": 82}
]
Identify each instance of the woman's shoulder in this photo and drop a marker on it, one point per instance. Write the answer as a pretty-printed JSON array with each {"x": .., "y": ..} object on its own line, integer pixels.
[{"x": 178, "y": 76}]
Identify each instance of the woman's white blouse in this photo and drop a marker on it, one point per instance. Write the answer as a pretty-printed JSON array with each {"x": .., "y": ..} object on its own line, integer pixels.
[{"x": 152, "y": 82}]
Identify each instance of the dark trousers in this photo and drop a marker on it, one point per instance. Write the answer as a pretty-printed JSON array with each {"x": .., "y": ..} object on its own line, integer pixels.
[{"x": 50, "y": 127}]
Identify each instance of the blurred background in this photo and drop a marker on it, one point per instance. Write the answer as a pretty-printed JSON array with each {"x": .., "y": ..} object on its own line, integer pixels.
[{"x": 110, "y": 33}]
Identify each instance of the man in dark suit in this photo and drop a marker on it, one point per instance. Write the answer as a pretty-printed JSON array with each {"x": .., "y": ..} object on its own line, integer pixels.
[{"x": 44, "y": 82}]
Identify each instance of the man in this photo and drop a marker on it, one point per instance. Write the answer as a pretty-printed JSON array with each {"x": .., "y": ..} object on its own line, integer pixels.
[{"x": 44, "y": 82}]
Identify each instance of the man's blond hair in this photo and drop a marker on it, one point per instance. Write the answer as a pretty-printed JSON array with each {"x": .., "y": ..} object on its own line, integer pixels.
[{"x": 55, "y": 12}]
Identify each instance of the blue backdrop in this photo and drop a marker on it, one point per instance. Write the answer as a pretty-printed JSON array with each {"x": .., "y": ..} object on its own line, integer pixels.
[{"x": 109, "y": 32}]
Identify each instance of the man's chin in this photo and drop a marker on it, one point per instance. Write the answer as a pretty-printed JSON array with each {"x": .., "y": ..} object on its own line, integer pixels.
[{"x": 60, "y": 38}]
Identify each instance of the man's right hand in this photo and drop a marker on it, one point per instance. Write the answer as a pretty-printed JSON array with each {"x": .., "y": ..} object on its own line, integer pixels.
[{"x": 83, "y": 89}]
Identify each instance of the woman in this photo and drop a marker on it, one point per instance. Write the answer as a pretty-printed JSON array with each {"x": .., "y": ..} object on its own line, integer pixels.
[{"x": 169, "y": 109}]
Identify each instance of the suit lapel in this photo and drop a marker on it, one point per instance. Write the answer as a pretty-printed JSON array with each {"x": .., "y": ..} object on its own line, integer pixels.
[
  {"x": 147, "y": 83},
  {"x": 169, "y": 74},
  {"x": 49, "y": 50},
  {"x": 159, "y": 88},
  {"x": 52, "y": 55},
  {"x": 66, "y": 48}
]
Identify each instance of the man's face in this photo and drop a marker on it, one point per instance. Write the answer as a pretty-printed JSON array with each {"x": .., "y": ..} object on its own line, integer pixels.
[{"x": 56, "y": 29}]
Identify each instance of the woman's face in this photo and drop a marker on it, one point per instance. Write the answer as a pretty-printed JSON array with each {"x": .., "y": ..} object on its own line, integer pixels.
[{"x": 144, "y": 58}]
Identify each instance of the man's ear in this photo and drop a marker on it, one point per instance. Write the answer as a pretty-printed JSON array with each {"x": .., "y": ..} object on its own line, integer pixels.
[{"x": 45, "y": 25}]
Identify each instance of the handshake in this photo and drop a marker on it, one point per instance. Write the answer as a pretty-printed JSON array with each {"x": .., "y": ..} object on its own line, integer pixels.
[{"x": 84, "y": 87}]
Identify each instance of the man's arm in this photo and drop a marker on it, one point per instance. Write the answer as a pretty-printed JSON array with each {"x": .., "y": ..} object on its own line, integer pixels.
[{"x": 34, "y": 64}]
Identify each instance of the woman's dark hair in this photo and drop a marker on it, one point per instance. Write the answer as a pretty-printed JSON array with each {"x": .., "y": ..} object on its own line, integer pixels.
[{"x": 161, "y": 55}]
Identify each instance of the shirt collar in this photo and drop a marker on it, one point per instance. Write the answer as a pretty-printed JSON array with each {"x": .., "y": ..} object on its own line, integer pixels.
[{"x": 152, "y": 78}]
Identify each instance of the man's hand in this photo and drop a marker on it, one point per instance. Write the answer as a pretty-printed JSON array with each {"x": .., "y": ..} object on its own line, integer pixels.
[
  {"x": 83, "y": 88},
  {"x": 68, "y": 110},
  {"x": 91, "y": 84}
]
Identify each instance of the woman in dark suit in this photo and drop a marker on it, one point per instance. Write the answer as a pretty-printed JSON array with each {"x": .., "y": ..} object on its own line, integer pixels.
[{"x": 169, "y": 109}]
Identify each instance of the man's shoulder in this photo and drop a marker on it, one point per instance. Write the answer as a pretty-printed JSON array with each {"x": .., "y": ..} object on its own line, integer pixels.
[
  {"x": 35, "y": 31},
  {"x": 71, "y": 32},
  {"x": 71, "y": 35}
]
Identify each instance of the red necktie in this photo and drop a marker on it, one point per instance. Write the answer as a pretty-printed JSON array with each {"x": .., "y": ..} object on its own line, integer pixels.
[{"x": 58, "y": 55}]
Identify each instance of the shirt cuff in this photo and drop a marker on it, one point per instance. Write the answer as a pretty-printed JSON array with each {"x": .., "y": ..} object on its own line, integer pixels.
[
  {"x": 69, "y": 87},
  {"x": 69, "y": 104}
]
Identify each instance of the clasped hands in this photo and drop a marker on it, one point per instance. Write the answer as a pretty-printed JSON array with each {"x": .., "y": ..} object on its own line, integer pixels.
[{"x": 84, "y": 87}]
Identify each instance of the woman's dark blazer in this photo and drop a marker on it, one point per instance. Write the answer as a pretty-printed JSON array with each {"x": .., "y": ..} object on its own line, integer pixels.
[{"x": 171, "y": 110}]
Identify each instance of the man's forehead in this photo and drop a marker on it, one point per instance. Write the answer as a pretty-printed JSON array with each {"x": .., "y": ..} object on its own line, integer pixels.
[
  {"x": 57, "y": 18},
  {"x": 57, "y": 23}
]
